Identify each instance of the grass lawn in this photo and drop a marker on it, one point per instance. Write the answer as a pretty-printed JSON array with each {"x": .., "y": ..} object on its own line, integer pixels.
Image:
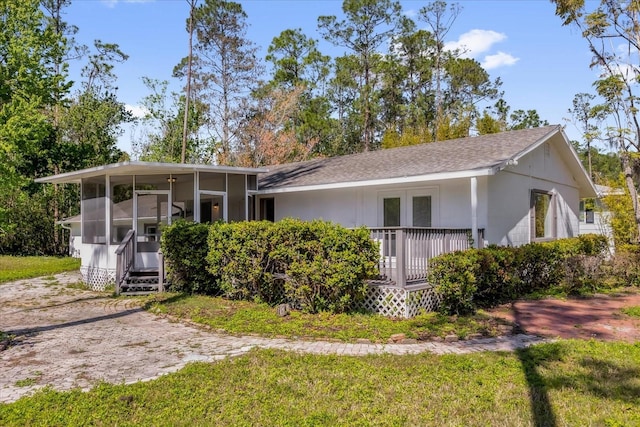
[
  {"x": 242, "y": 317},
  {"x": 17, "y": 268},
  {"x": 564, "y": 383},
  {"x": 632, "y": 311}
]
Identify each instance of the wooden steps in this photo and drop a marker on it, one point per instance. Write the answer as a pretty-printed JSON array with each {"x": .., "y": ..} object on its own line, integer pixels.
[{"x": 140, "y": 283}]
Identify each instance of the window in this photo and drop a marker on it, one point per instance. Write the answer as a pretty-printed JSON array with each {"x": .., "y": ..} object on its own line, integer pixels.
[
  {"x": 589, "y": 216},
  {"x": 93, "y": 210},
  {"x": 211, "y": 208},
  {"x": 391, "y": 212},
  {"x": 542, "y": 216},
  {"x": 410, "y": 208},
  {"x": 421, "y": 211}
]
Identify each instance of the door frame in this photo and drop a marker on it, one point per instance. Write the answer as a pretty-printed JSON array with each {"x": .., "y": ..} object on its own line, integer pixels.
[
  {"x": 134, "y": 218},
  {"x": 222, "y": 194}
]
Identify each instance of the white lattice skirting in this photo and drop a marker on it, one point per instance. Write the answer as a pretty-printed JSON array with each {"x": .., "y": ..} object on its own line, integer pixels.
[
  {"x": 98, "y": 278},
  {"x": 398, "y": 302}
]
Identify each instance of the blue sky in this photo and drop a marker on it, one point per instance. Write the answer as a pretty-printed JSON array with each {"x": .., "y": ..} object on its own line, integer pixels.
[{"x": 541, "y": 63}]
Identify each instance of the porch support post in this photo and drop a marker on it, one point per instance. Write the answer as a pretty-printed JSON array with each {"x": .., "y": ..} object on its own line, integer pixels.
[
  {"x": 196, "y": 197},
  {"x": 400, "y": 258},
  {"x": 107, "y": 218},
  {"x": 474, "y": 211}
]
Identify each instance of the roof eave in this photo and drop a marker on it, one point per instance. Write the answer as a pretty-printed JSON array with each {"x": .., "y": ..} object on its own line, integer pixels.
[
  {"x": 145, "y": 167},
  {"x": 382, "y": 181},
  {"x": 586, "y": 187}
]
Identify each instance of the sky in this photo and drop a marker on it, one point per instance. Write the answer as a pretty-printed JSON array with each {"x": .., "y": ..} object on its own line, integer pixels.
[{"x": 541, "y": 63}]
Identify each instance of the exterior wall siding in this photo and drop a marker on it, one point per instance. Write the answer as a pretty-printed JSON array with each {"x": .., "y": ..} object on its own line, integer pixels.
[
  {"x": 510, "y": 198},
  {"x": 361, "y": 206}
]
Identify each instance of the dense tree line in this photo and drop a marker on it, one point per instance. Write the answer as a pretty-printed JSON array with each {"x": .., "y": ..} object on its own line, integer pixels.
[
  {"x": 394, "y": 84},
  {"x": 45, "y": 128}
]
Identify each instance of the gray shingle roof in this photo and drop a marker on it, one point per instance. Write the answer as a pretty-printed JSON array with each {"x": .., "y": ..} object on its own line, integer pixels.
[{"x": 464, "y": 154}]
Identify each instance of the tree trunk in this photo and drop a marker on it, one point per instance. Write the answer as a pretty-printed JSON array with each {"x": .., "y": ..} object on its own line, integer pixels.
[
  {"x": 185, "y": 126},
  {"x": 628, "y": 179}
]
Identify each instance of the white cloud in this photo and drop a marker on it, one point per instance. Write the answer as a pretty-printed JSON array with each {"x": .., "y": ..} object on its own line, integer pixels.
[
  {"x": 474, "y": 42},
  {"x": 137, "y": 111},
  {"x": 498, "y": 60},
  {"x": 411, "y": 13}
]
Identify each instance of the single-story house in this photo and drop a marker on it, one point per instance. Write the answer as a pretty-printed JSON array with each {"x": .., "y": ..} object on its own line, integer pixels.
[{"x": 419, "y": 201}]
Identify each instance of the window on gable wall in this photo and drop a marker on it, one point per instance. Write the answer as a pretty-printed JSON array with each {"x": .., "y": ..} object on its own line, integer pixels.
[{"x": 542, "y": 216}]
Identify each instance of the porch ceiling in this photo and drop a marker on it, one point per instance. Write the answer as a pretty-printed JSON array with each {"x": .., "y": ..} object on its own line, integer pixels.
[{"x": 143, "y": 168}]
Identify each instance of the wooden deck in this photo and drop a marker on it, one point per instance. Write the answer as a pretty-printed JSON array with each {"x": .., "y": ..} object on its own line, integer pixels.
[{"x": 405, "y": 252}]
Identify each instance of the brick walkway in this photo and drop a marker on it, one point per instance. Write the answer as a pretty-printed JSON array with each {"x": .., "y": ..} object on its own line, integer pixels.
[{"x": 69, "y": 338}]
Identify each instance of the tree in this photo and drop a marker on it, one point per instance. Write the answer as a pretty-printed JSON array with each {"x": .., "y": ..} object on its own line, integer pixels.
[
  {"x": 185, "y": 123},
  {"x": 407, "y": 94},
  {"x": 497, "y": 119},
  {"x": 266, "y": 137},
  {"x": 298, "y": 65},
  {"x": 30, "y": 85},
  {"x": 588, "y": 119},
  {"x": 228, "y": 68},
  {"x": 440, "y": 21},
  {"x": 612, "y": 32},
  {"x": 161, "y": 129},
  {"x": 367, "y": 25}
]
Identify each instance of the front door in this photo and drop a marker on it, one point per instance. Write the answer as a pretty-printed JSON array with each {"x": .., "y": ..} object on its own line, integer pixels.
[{"x": 151, "y": 211}]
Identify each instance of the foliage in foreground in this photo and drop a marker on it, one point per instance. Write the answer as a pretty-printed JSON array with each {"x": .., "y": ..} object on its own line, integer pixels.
[
  {"x": 17, "y": 268},
  {"x": 314, "y": 265},
  {"x": 247, "y": 317},
  {"x": 576, "y": 382},
  {"x": 468, "y": 280},
  {"x": 184, "y": 245},
  {"x": 320, "y": 266}
]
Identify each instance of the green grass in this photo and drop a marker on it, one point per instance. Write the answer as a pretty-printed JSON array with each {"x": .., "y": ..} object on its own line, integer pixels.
[
  {"x": 17, "y": 268},
  {"x": 242, "y": 317},
  {"x": 568, "y": 383},
  {"x": 632, "y": 311}
]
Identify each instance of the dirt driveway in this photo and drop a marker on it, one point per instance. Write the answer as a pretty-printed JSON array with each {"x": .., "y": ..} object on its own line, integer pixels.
[{"x": 597, "y": 317}]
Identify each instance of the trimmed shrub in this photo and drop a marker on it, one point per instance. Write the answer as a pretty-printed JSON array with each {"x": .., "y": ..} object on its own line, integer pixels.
[
  {"x": 455, "y": 276},
  {"x": 325, "y": 265},
  {"x": 497, "y": 278},
  {"x": 465, "y": 281},
  {"x": 184, "y": 245},
  {"x": 622, "y": 270},
  {"x": 585, "y": 244},
  {"x": 239, "y": 254},
  {"x": 317, "y": 266}
]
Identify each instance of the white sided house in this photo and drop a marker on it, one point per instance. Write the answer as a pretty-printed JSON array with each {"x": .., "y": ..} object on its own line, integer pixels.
[{"x": 419, "y": 201}]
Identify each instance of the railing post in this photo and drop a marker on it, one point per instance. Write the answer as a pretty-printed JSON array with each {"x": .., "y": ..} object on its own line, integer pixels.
[
  {"x": 118, "y": 274},
  {"x": 400, "y": 258},
  {"x": 160, "y": 271}
]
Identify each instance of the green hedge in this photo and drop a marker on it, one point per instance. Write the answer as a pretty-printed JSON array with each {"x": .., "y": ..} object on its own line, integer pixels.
[
  {"x": 318, "y": 266},
  {"x": 476, "y": 278},
  {"x": 184, "y": 245}
]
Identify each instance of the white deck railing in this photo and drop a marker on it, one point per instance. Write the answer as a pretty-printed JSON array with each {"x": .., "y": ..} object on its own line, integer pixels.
[
  {"x": 125, "y": 258},
  {"x": 405, "y": 252}
]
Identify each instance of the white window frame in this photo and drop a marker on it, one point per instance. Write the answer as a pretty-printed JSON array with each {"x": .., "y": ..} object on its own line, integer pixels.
[
  {"x": 406, "y": 208},
  {"x": 532, "y": 216}
]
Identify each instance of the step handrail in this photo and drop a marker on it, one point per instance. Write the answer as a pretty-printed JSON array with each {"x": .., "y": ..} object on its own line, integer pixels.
[{"x": 125, "y": 258}]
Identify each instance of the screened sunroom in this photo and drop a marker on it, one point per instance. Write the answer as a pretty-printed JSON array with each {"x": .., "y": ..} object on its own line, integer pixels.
[{"x": 124, "y": 205}]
